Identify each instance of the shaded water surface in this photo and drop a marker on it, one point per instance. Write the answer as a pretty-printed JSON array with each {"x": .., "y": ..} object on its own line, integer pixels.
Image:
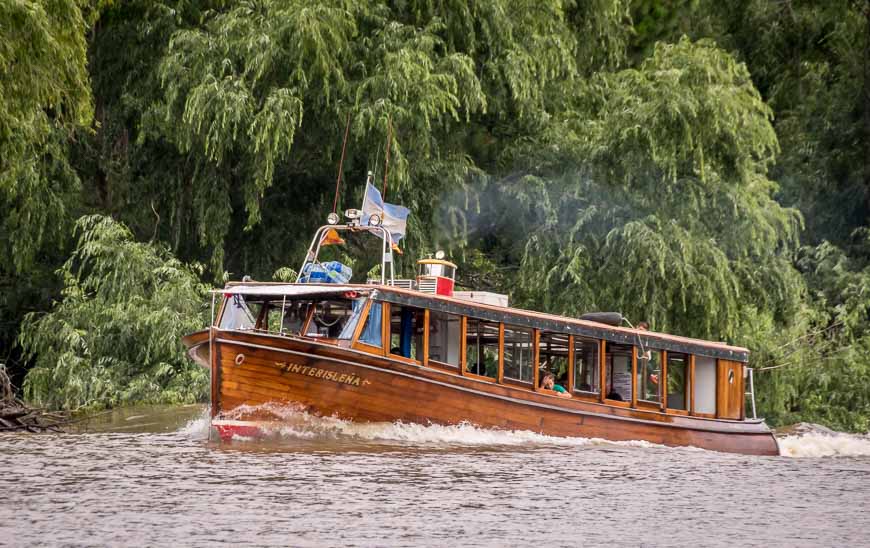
[{"x": 151, "y": 477}]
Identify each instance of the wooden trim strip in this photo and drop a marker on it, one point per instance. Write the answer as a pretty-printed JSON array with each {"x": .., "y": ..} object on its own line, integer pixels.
[
  {"x": 691, "y": 388},
  {"x": 361, "y": 322},
  {"x": 602, "y": 370},
  {"x": 570, "y": 383},
  {"x": 634, "y": 377},
  {"x": 500, "y": 374},
  {"x": 663, "y": 381},
  {"x": 463, "y": 342},
  {"x": 426, "y": 337},
  {"x": 536, "y": 358}
]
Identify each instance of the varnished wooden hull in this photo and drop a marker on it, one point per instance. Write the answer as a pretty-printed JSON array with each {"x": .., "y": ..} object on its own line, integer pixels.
[{"x": 253, "y": 369}]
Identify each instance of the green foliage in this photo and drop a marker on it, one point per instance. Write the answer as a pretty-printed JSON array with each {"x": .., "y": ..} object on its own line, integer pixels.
[
  {"x": 44, "y": 95},
  {"x": 45, "y": 103},
  {"x": 658, "y": 157},
  {"x": 822, "y": 372},
  {"x": 652, "y": 199},
  {"x": 116, "y": 336}
]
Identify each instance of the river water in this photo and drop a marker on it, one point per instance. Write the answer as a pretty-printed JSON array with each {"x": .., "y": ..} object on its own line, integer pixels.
[{"x": 152, "y": 477}]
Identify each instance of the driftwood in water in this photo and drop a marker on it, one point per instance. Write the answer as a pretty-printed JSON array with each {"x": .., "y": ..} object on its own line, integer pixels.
[{"x": 16, "y": 416}]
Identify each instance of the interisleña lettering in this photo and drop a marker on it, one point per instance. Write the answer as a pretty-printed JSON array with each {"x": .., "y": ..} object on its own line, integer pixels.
[{"x": 325, "y": 374}]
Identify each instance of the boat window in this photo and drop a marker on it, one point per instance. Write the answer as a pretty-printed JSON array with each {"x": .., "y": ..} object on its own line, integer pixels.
[
  {"x": 406, "y": 331},
  {"x": 553, "y": 356},
  {"x": 704, "y": 389},
  {"x": 587, "y": 374},
  {"x": 649, "y": 371},
  {"x": 436, "y": 270},
  {"x": 371, "y": 331},
  {"x": 239, "y": 313},
  {"x": 334, "y": 318},
  {"x": 678, "y": 381},
  {"x": 518, "y": 354},
  {"x": 618, "y": 362},
  {"x": 481, "y": 348},
  {"x": 350, "y": 325},
  {"x": 295, "y": 314},
  {"x": 291, "y": 322},
  {"x": 445, "y": 336}
]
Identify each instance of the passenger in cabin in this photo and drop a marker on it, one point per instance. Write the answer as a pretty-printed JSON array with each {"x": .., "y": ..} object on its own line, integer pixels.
[
  {"x": 549, "y": 383},
  {"x": 615, "y": 396},
  {"x": 643, "y": 325}
]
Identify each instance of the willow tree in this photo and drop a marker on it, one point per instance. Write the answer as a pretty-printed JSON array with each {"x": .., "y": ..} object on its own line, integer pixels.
[
  {"x": 650, "y": 196},
  {"x": 115, "y": 336},
  {"x": 44, "y": 100},
  {"x": 255, "y": 96}
]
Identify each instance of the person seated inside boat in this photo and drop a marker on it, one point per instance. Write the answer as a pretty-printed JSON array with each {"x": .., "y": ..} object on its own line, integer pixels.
[
  {"x": 615, "y": 396},
  {"x": 549, "y": 383}
]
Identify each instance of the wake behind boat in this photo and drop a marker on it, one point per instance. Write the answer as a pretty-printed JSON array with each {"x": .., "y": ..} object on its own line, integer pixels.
[{"x": 417, "y": 350}]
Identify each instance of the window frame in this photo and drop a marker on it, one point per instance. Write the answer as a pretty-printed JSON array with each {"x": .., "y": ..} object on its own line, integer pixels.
[
  {"x": 438, "y": 364},
  {"x": 387, "y": 319},
  {"x": 687, "y": 385},
  {"x": 357, "y": 344},
  {"x": 604, "y": 375},
  {"x": 650, "y": 404},
  {"x": 572, "y": 366},
  {"x": 533, "y": 351},
  {"x": 464, "y": 356},
  {"x": 693, "y": 412}
]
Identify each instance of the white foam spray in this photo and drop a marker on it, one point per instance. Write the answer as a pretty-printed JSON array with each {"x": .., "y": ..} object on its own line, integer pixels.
[
  {"x": 289, "y": 421},
  {"x": 198, "y": 428},
  {"x": 823, "y": 444}
]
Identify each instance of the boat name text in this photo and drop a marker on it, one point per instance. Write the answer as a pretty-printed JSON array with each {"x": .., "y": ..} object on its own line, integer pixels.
[{"x": 325, "y": 374}]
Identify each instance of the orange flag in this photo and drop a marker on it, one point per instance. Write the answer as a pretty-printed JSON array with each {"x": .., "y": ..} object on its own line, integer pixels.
[{"x": 331, "y": 238}]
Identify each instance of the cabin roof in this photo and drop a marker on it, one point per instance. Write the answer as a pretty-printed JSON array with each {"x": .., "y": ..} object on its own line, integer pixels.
[
  {"x": 514, "y": 316},
  {"x": 436, "y": 261},
  {"x": 291, "y": 290}
]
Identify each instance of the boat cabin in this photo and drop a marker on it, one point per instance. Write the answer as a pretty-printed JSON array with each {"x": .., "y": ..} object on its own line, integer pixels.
[{"x": 594, "y": 362}]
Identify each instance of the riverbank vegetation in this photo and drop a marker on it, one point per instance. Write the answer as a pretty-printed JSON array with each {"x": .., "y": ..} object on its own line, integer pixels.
[{"x": 697, "y": 164}]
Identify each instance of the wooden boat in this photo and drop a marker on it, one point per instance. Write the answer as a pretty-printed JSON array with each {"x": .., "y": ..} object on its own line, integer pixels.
[{"x": 418, "y": 351}]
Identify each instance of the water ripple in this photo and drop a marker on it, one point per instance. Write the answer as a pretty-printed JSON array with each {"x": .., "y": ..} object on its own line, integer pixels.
[{"x": 405, "y": 485}]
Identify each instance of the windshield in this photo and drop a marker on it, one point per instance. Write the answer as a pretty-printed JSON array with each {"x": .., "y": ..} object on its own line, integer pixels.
[{"x": 332, "y": 318}]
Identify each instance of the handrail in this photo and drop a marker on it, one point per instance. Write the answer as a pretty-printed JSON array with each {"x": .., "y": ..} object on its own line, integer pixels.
[
  {"x": 751, "y": 392},
  {"x": 386, "y": 248}
]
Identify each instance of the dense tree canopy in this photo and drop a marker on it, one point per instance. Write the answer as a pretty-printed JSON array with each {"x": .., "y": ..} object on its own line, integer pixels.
[{"x": 698, "y": 164}]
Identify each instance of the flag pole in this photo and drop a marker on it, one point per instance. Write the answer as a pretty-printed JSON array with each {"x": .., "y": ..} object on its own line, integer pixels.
[{"x": 341, "y": 162}]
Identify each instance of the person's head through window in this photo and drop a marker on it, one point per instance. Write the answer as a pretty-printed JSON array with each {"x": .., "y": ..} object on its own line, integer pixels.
[{"x": 549, "y": 381}]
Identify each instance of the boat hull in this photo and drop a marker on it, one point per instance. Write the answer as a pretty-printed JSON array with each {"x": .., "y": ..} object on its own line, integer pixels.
[{"x": 254, "y": 369}]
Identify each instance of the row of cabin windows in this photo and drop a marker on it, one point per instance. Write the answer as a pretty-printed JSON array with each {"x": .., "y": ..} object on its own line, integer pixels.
[{"x": 485, "y": 341}]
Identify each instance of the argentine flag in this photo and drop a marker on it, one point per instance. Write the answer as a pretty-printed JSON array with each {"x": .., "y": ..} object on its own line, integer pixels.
[{"x": 394, "y": 217}]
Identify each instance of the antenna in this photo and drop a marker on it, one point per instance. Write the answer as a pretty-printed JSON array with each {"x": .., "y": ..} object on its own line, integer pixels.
[
  {"x": 387, "y": 156},
  {"x": 341, "y": 163}
]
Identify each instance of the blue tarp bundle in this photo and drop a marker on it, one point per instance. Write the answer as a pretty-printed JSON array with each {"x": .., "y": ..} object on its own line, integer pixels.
[{"x": 332, "y": 272}]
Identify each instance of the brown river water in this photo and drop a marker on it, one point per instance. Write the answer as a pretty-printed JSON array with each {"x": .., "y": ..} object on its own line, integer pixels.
[{"x": 152, "y": 477}]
